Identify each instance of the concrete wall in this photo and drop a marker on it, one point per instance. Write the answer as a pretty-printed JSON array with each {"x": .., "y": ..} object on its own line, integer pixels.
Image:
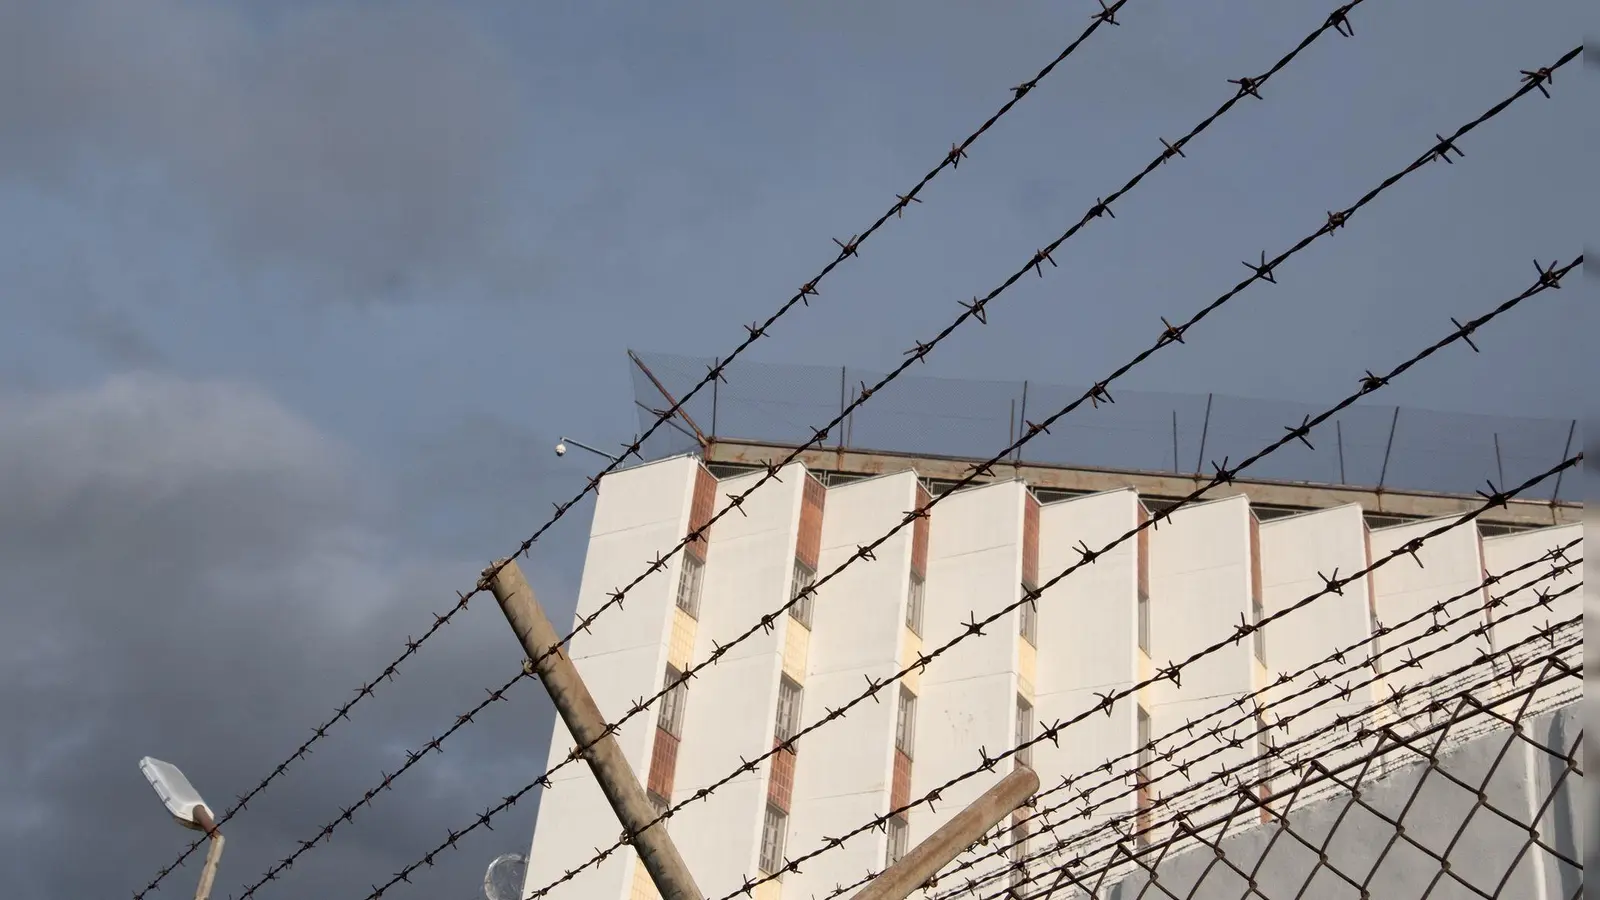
[
  {"x": 1200, "y": 567},
  {"x": 1294, "y": 550},
  {"x": 1088, "y": 642},
  {"x": 968, "y": 696},
  {"x": 1520, "y": 781},
  {"x": 1200, "y": 584},
  {"x": 1450, "y": 563},
  {"x": 733, "y": 704},
  {"x": 1507, "y": 551},
  {"x": 640, "y": 511},
  {"x": 843, "y": 771}
]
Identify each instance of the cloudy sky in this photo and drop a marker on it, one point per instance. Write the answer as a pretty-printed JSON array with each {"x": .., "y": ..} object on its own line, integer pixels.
[{"x": 296, "y": 298}]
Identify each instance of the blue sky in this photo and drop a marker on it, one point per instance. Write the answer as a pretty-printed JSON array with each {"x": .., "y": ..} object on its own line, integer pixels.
[{"x": 297, "y": 300}]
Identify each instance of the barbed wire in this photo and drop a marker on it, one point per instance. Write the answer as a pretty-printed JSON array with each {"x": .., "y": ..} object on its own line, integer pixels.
[
  {"x": 1254, "y": 697},
  {"x": 1181, "y": 819},
  {"x": 847, "y": 249},
  {"x": 1181, "y": 822},
  {"x": 1172, "y": 672},
  {"x": 1549, "y": 277},
  {"x": 1337, "y": 21},
  {"x": 1276, "y": 752}
]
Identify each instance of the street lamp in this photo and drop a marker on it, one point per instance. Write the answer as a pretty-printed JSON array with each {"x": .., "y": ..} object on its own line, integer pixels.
[
  {"x": 183, "y": 801},
  {"x": 561, "y": 448}
]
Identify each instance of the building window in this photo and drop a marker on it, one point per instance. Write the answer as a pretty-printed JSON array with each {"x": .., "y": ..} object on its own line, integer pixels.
[
  {"x": 804, "y": 577},
  {"x": 914, "y": 599},
  {"x": 690, "y": 581},
  {"x": 773, "y": 832},
  {"x": 1019, "y": 856},
  {"x": 658, "y": 803},
  {"x": 1146, "y": 755},
  {"x": 672, "y": 703},
  {"x": 1028, "y": 615},
  {"x": 899, "y": 839},
  {"x": 1144, "y": 622},
  {"x": 1024, "y": 733},
  {"x": 905, "y": 724},
  {"x": 789, "y": 695},
  {"x": 1258, "y": 612}
]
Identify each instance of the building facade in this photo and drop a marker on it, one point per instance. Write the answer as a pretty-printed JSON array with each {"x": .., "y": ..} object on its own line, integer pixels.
[{"x": 1158, "y": 598}]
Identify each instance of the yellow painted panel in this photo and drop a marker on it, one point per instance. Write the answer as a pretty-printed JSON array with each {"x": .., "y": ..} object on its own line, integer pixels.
[
  {"x": 910, "y": 646},
  {"x": 1027, "y": 668},
  {"x": 796, "y": 644},
  {"x": 681, "y": 649},
  {"x": 769, "y": 890},
  {"x": 643, "y": 887}
]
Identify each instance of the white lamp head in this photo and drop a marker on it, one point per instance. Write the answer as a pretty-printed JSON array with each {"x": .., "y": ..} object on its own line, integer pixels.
[{"x": 175, "y": 791}]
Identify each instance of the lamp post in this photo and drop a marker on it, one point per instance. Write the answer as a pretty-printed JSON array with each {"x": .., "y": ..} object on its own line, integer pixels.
[{"x": 185, "y": 805}]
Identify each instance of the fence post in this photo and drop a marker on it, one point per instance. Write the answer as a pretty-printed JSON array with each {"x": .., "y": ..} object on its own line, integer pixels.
[
  {"x": 1565, "y": 455},
  {"x": 842, "y": 405},
  {"x": 1016, "y": 455},
  {"x": 1499, "y": 465},
  {"x": 1175, "y": 442},
  {"x": 1205, "y": 428},
  {"x": 1383, "y": 474},
  {"x": 925, "y": 860},
  {"x": 1338, "y": 433},
  {"x": 582, "y": 717},
  {"x": 715, "y": 361}
]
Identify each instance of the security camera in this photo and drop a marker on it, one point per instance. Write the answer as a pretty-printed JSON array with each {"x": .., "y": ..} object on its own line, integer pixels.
[{"x": 561, "y": 448}]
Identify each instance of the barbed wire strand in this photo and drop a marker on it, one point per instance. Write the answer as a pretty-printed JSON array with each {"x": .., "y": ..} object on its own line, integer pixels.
[
  {"x": 1182, "y": 819},
  {"x": 1337, "y": 21},
  {"x": 1534, "y": 80},
  {"x": 847, "y": 249},
  {"x": 1254, "y": 698},
  {"x": 1553, "y": 659},
  {"x": 1338, "y": 584},
  {"x": 1549, "y": 278},
  {"x": 1277, "y": 752},
  {"x": 1171, "y": 672}
]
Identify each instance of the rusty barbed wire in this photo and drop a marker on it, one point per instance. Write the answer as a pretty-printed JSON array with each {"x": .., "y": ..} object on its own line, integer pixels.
[
  {"x": 1464, "y": 690},
  {"x": 1275, "y": 752},
  {"x": 1106, "y": 15},
  {"x": 1549, "y": 278},
  {"x": 1322, "y": 680}
]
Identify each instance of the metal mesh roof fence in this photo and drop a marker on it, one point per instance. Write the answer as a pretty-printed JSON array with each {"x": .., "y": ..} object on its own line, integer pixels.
[{"x": 1401, "y": 448}]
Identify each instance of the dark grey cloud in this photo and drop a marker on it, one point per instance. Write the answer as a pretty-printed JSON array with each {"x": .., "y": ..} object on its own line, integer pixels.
[
  {"x": 372, "y": 151},
  {"x": 192, "y": 572}
]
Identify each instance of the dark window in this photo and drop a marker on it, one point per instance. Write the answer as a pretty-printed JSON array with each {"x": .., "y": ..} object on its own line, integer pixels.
[
  {"x": 1260, "y": 635},
  {"x": 905, "y": 725},
  {"x": 804, "y": 577},
  {"x": 899, "y": 838},
  {"x": 773, "y": 832},
  {"x": 1024, "y": 733},
  {"x": 1028, "y": 615},
  {"x": 1144, "y": 622},
  {"x": 914, "y": 602},
  {"x": 789, "y": 695},
  {"x": 690, "y": 582},
  {"x": 672, "y": 703}
]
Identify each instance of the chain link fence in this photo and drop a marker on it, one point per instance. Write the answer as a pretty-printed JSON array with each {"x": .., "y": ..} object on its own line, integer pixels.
[{"x": 1400, "y": 448}]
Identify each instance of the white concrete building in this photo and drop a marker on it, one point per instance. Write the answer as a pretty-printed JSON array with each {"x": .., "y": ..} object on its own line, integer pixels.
[{"x": 1150, "y": 603}]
